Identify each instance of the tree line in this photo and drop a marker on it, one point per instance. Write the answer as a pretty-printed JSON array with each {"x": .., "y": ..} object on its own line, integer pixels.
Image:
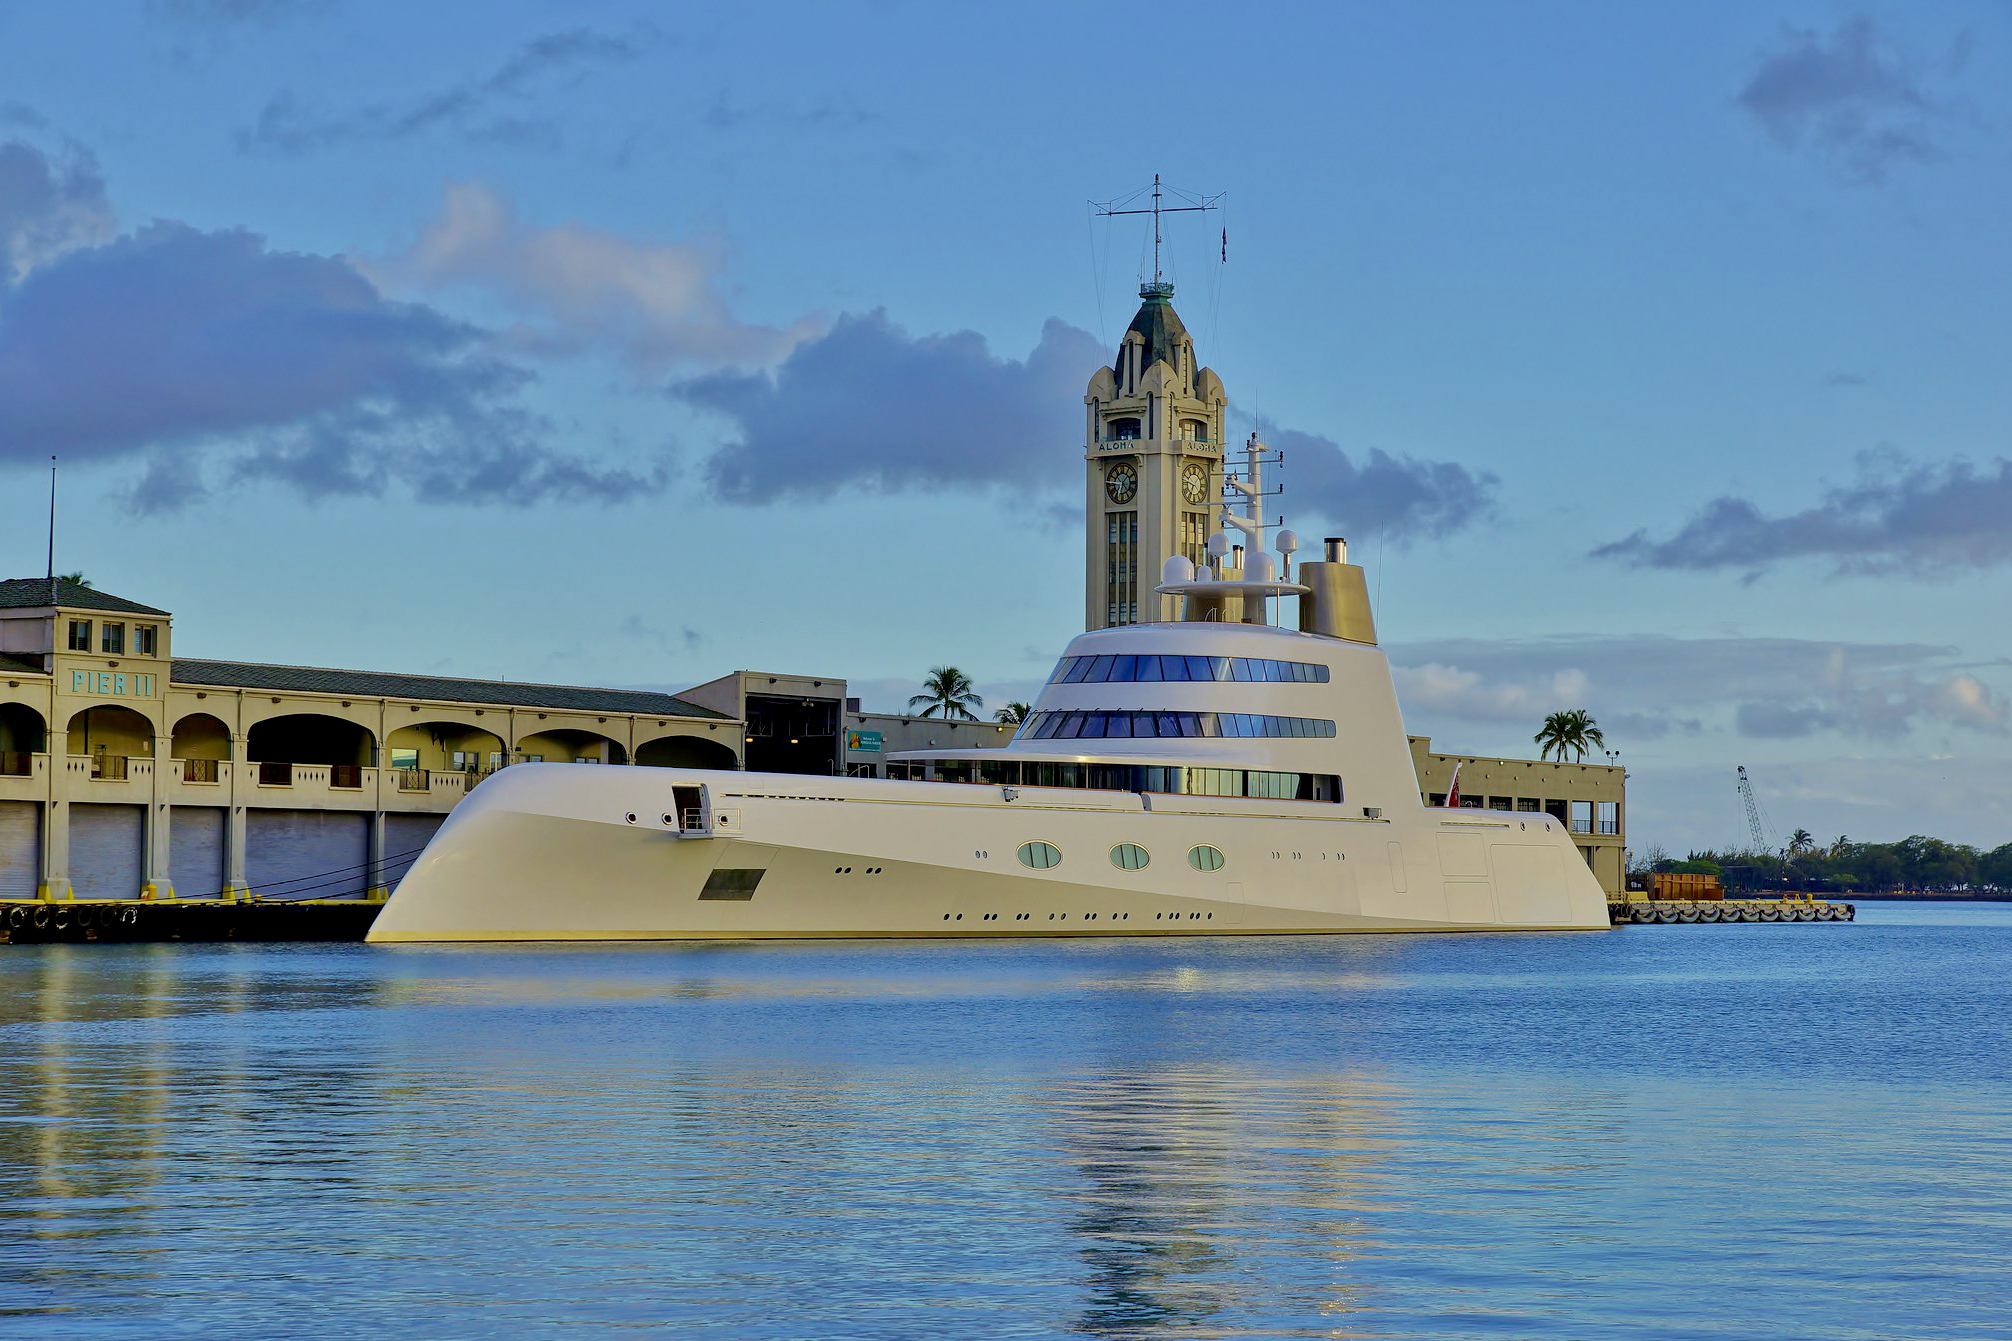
[{"x": 1843, "y": 866}]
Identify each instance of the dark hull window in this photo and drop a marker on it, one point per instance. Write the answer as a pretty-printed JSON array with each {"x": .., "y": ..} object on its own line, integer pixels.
[
  {"x": 1100, "y": 724},
  {"x": 1157, "y": 668},
  {"x": 1170, "y": 779}
]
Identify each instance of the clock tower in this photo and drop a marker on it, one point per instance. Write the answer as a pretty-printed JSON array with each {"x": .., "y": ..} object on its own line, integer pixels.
[{"x": 1153, "y": 453}]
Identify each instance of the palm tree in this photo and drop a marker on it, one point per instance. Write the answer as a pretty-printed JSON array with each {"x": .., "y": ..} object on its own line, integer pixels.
[
  {"x": 74, "y": 579},
  {"x": 1802, "y": 840},
  {"x": 947, "y": 690},
  {"x": 1012, "y": 714},
  {"x": 1573, "y": 730}
]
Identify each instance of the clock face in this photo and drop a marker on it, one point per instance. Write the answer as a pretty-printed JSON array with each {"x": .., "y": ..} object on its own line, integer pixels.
[
  {"x": 1122, "y": 482},
  {"x": 1194, "y": 483}
]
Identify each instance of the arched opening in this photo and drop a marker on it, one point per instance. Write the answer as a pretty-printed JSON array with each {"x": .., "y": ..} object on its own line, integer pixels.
[
  {"x": 109, "y": 735},
  {"x": 278, "y": 743},
  {"x": 22, "y": 734},
  {"x": 444, "y": 747},
  {"x": 686, "y": 752},
  {"x": 1126, "y": 429},
  {"x": 565, "y": 745},
  {"x": 202, "y": 742}
]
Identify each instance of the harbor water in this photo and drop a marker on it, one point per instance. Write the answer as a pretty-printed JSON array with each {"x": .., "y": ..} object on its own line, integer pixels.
[{"x": 1739, "y": 1131}]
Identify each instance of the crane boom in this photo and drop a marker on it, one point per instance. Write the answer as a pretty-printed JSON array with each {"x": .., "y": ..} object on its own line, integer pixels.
[{"x": 1753, "y": 811}]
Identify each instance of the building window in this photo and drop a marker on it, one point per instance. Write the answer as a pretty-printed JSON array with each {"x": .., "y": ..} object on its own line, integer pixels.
[
  {"x": 1528, "y": 805},
  {"x": 1501, "y": 803},
  {"x": 143, "y": 640},
  {"x": 1130, "y": 857},
  {"x": 80, "y": 635},
  {"x": 1582, "y": 817},
  {"x": 1205, "y": 858},
  {"x": 467, "y": 761},
  {"x": 1195, "y": 538},
  {"x": 405, "y": 759},
  {"x": 112, "y": 637},
  {"x": 1607, "y": 817},
  {"x": 534, "y": 758},
  {"x": 1121, "y": 565},
  {"x": 1122, "y": 430}
]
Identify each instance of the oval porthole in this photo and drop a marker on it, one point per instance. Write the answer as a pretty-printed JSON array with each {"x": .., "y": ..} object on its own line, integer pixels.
[
  {"x": 1040, "y": 856},
  {"x": 1205, "y": 858},
  {"x": 1130, "y": 857}
]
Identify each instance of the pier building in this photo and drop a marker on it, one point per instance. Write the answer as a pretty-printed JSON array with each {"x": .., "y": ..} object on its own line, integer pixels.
[{"x": 129, "y": 772}]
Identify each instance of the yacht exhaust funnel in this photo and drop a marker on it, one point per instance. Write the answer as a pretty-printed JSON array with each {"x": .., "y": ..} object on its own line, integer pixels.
[{"x": 1336, "y": 603}]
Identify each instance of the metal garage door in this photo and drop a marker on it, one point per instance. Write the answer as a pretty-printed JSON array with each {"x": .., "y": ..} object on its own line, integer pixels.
[
  {"x": 20, "y": 849},
  {"x": 105, "y": 859},
  {"x": 306, "y": 854},
  {"x": 196, "y": 851},
  {"x": 404, "y": 836}
]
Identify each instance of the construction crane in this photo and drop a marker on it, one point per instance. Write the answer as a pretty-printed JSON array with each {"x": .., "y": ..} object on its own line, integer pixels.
[
  {"x": 1762, "y": 834},
  {"x": 1761, "y": 843}
]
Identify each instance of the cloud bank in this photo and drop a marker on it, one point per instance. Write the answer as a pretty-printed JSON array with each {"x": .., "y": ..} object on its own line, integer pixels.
[
  {"x": 47, "y": 207},
  {"x": 1850, "y": 97},
  {"x": 1650, "y": 687},
  {"x": 490, "y": 109},
  {"x": 870, "y": 406},
  {"x": 1402, "y": 497},
  {"x": 1898, "y": 517},
  {"x": 205, "y": 352}
]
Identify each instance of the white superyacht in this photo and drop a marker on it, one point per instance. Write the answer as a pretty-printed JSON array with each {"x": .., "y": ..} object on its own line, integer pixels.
[{"x": 1213, "y": 775}]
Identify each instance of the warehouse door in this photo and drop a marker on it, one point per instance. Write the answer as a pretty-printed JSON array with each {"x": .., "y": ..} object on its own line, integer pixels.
[
  {"x": 105, "y": 860},
  {"x": 306, "y": 854},
  {"x": 404, "y": 836},
  {"x": 20, "y": 849},
  {"x": 196, "y": 851}
]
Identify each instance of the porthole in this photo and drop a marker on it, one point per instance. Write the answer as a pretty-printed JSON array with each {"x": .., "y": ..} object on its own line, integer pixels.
[
  {"x": 1130, "y": 857},
  {"x": 1040, "y": 856},
  {"x": 632, "y": 817},
  {"x": 1205, "y": 858}
]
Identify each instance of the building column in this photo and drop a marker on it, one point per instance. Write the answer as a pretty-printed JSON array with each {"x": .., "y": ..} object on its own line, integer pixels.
[
  {"x": 234, "y": 822},
  {"x": 375, "y": 888},
  {"x": 155, "y": 882},
  {"x": 54, "y": 885}
]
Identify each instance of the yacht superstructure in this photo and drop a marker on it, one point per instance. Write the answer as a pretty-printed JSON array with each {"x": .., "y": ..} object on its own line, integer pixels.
[{"x": 1215, "y": 774}]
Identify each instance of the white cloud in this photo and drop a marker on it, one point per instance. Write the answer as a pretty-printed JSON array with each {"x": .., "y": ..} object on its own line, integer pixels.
[{"x": 576, "y": 287}]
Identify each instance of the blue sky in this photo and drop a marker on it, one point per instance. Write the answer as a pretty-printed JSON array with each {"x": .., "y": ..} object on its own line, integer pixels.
[{"x": 1653, "y": 359}]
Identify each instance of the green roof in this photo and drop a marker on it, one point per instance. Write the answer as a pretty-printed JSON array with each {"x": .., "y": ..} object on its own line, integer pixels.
[
  {"x": 22, "y": 593},
  {"x": 387, "y": 684},
  {"x": 1162, "y": 328}
]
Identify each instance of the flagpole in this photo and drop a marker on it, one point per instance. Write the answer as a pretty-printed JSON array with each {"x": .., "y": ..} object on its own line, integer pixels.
[{"x": 53, "y": 594}]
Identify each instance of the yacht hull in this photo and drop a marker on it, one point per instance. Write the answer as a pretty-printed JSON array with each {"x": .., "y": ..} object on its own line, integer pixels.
[{"x": 556, "y": 853}]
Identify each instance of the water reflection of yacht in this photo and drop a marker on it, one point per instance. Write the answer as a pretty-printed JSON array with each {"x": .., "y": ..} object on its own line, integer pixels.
[{"x": 1214, "y": 774}]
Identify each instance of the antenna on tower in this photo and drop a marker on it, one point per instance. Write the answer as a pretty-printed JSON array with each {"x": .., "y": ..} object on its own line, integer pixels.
[{"x": 1202, "y": 204}]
